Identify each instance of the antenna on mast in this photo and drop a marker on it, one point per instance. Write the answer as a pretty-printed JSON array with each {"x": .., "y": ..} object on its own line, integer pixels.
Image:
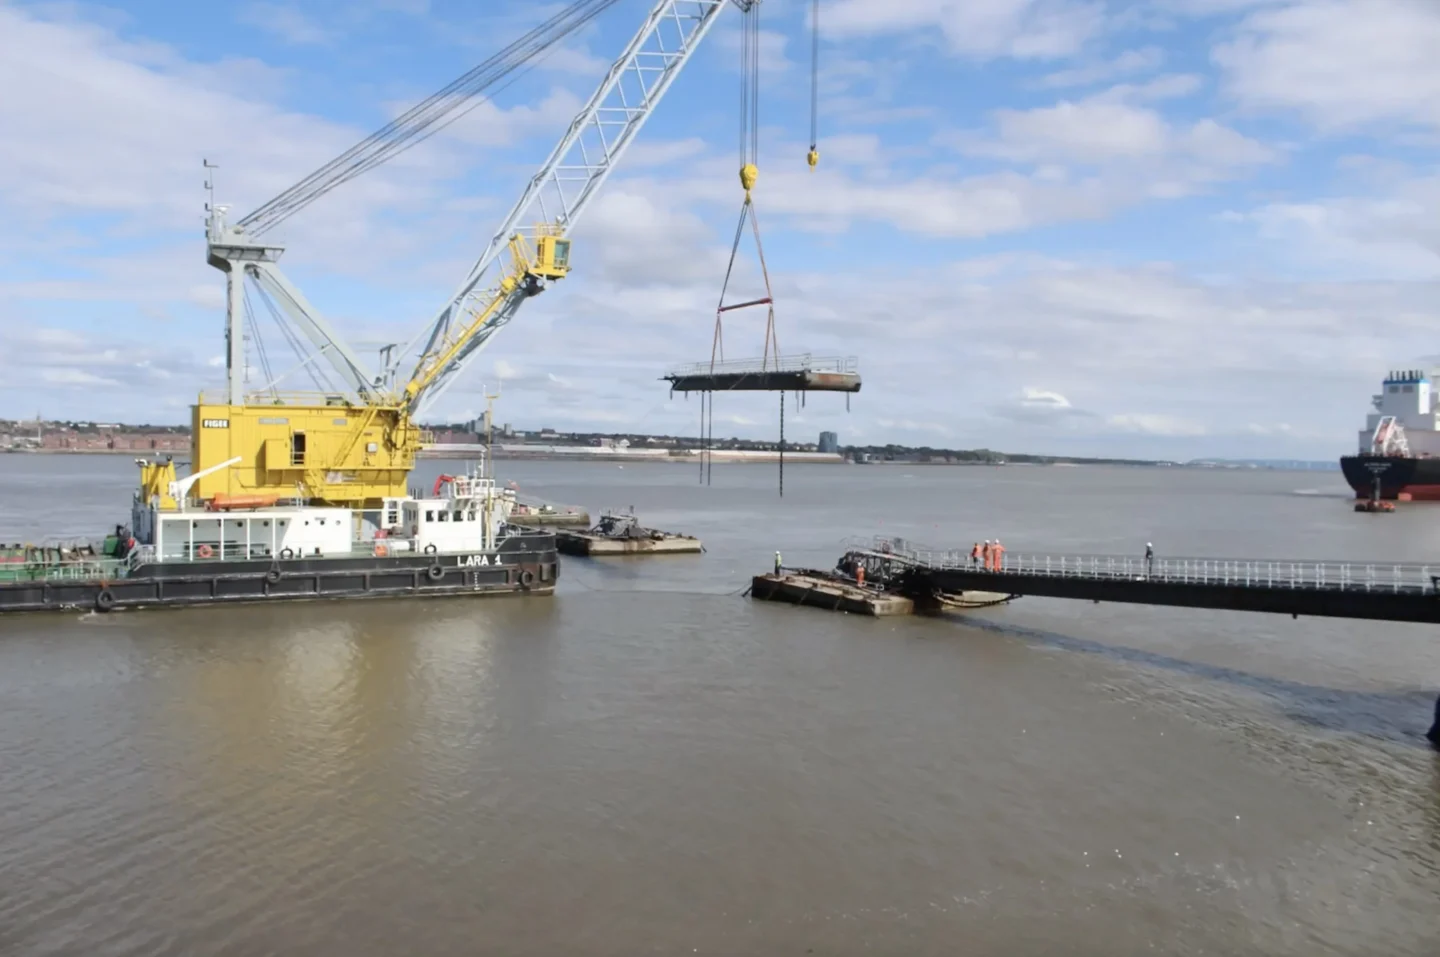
[
  {"x": 209, "y": 183},
  {"x": 490, "y": 418}
]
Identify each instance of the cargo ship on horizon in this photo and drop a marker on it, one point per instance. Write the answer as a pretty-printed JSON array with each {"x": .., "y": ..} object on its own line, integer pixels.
[{"x": 1399, "y": 448}]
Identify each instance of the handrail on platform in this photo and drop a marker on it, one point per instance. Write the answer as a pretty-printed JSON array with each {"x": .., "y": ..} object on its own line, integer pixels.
[{"x": 804, "y": 362}]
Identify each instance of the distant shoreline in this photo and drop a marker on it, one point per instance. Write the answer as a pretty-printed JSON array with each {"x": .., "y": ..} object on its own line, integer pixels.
[
  {"x": 724, "y": 457},
  {"x": 90, "y": 451}
]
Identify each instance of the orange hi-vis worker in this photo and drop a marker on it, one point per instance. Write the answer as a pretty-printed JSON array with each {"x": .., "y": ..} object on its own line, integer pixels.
[
  {"x": 985, "y": 553},
  {"x": 997, "y": 554},
  {"x": 975, "y": 554}
]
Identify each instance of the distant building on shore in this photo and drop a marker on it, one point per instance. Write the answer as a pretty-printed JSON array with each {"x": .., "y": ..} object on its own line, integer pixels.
[{"x": 829, "y": 442}]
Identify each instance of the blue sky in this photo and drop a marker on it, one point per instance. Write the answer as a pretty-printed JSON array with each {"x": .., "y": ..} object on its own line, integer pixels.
[{"x": 1136, "y": 227}]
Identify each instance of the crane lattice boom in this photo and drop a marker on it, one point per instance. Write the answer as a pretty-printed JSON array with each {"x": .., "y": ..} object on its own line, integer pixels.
[{"x": 568, "y": 180}]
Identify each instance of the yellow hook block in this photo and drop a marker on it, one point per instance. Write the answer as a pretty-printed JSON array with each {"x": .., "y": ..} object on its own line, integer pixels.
[
  {"x": 748, "y": 174},
  {"x": 813, "y": 157}
]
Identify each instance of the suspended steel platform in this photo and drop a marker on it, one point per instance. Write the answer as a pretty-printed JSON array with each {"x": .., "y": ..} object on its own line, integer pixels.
[{"x": 803, "y": 373}]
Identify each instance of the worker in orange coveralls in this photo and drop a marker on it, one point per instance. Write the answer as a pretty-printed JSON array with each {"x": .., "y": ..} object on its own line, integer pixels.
[
  {"x": 975, "y": 555},
  {"x": 997, "y": 555}
]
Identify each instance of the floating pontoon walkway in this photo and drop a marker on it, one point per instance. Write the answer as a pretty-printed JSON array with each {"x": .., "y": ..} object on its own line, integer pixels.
[{"x": 1378, "y": 591}]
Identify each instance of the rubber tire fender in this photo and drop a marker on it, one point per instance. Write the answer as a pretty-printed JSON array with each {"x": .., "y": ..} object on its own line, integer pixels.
[
  {"x": 434, "y": 573},
  {"x": 527, "y": 578},
  {"x": 105, "y": 600},
  {"x": 273, "y": 576}
]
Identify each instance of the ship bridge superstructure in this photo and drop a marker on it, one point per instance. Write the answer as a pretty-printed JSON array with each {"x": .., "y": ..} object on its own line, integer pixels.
[{"x": 1407, "y": 399}]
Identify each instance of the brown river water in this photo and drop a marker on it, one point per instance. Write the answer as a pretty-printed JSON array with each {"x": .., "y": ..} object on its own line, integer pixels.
[{"x": 650, "y": 763}]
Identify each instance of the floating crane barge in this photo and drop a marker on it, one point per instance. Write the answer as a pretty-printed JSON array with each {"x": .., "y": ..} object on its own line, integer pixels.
[
  {"x": 460, "y": 543},
  {"x": 306, "y": 494}
]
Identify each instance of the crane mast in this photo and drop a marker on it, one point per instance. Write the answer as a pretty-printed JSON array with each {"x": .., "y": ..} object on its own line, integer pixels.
[{"x": 354, "y": 445}]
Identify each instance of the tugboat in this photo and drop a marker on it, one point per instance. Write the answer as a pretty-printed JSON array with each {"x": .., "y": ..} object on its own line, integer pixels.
[{"x": 182, "y": 550}]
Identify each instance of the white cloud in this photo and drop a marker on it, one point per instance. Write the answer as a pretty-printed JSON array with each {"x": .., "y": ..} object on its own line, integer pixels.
[
  {"x": 1392, "y": 232},
  {"x": 1041, "y": 399},
  {"x": 491, "y": 126},
  {"x": 575, "y": 61},
  {"x": 1160, "y": 425},
  {"x": 1099, "y": 130},
  {"x": 1168, "y": 86},
  {"x": 940, "y": 202},
  {"x": 1339, "y": 63},
  {"x": 414, "y": 8},
  {"x": 1084, "y": 131},
  {"x": 1143, "y": 60},
  {"x": 632, "y": 234},
  {"x": 68, "y": 376},
  {"x": 1024, "y": 29},
  {"x": 155, "y": 118},
  {"x": 915, "y": 426},
  {"x": 1207, "y": 8},
  {"x": 110, "y": 367},
  {"x": 774, "y": 61},
  {"x": 285, "y": 22}
]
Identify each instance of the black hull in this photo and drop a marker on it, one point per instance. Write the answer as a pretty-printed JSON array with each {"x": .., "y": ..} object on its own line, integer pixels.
[
  {"x": 524, "y": 565},
  {"x": 1400, "y": 478}
]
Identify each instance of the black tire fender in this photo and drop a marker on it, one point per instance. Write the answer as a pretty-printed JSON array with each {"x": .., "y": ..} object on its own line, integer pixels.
[
  {"x": 527, "y": 578},
  {"x": 434, "y": 573},
  {"x": 105, "y": 600},
  {"x": 272, "y": 576}
]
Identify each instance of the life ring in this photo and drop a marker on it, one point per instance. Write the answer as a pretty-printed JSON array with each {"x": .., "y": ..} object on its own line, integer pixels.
[
  {"x": 527, "y": 578},
  {"x": 273, "y": 575},
  {"x": 431, "y": 549},
  {"x": 204, "y": 551},
  {"x": 381, "y": 550},
  {"x": 287, "y": 553},
  {"x": 434, "y": 573},
  {"x": 104, "y": 601}
]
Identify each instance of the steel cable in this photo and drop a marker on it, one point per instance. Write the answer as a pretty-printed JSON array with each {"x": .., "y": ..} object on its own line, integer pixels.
[{"x": 428, "y": 117}]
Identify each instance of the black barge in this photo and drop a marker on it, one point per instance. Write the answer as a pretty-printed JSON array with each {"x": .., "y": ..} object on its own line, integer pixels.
[{"x": 522, "y": 563}]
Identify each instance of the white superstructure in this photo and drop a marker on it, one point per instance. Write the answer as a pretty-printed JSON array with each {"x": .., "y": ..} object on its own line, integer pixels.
[
  {"x": 1406, "y": 417},
  {"x": 470, "y": 518}
]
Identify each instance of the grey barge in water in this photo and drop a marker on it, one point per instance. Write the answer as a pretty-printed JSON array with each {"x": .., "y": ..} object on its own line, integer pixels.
[
  {"x": 178, "y": 552},
  {"x": 622, "y": 534}
]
